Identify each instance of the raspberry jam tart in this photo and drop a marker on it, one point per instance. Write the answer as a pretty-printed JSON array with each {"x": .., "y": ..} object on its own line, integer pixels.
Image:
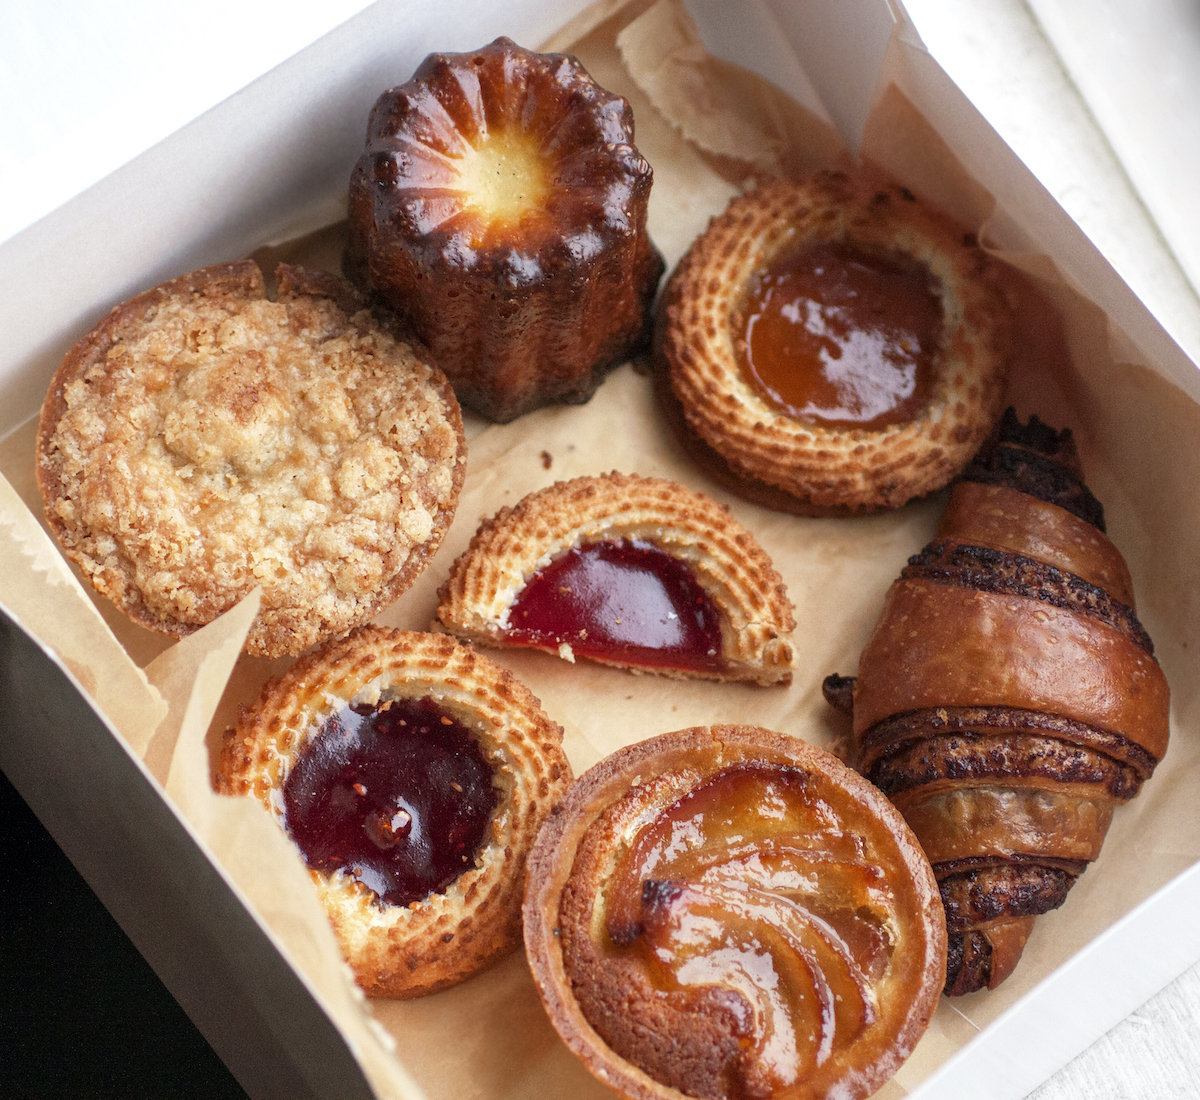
[
  {"x": 413, "y": 775},
  {"x": 640, "y": 573}
]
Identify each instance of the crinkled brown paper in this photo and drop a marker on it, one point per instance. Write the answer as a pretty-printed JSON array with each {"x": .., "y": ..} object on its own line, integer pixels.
[{"x": 707, "y": 129}]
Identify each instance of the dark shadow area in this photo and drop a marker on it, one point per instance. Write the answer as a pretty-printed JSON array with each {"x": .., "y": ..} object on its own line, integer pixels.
[{"x": 81, "y": 1012}]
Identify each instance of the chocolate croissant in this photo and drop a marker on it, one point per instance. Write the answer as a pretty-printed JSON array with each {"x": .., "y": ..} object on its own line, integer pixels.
[{"x": 1009, "y": 699}]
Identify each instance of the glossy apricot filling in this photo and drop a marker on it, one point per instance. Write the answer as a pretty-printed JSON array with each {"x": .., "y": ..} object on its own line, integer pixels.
[
  {"x": 624, "y": 600},
  {"x": 836, "y": 336},
  {"x": 750, "y": 885},
  {"x": 397, "y": 795}
]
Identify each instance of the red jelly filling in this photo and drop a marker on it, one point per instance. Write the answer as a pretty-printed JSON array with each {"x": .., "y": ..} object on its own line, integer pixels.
[
  {"x": 624, "y": 600},
  {"x": 398, "y": 795}
]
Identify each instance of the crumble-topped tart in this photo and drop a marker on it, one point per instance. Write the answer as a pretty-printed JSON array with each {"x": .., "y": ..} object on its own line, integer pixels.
[
  {"x": 833, "y": 345},
  {"x": 203, "y": 440},
  {"x": 501, "y": 203},
  {"x": 413, "y": 774},
  {"x": 641, "y": 573}
]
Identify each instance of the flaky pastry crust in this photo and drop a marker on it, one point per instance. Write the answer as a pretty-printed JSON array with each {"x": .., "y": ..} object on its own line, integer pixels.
[
  {"x": 1008, "y": 699},
  {"x": 783, "y": 461},
  {"x": 725, "y": 559},
  {"x": 407, "y": 951},
  {"x": 695, "y": 1033},
  {"x": 203, "y": 440}
]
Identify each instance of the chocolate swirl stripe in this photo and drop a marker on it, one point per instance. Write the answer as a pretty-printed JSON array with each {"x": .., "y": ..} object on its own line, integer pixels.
[{"x": 1008, "y": 699}]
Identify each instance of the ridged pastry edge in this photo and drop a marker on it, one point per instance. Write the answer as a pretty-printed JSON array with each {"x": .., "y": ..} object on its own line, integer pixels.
[
  {"x": 855, "y": 469},
  {"x": 726, "y": 560},
  {"x": 398, "y": 951}
]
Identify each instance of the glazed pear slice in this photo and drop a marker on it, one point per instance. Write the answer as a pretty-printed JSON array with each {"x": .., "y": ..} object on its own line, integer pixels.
[
  {"x": 728, "y": 912},
  {"x": 639, "y": 573}
]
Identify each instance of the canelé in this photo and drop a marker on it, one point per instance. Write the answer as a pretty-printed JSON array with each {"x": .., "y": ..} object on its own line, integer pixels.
[{"x": 501, "y": 203}]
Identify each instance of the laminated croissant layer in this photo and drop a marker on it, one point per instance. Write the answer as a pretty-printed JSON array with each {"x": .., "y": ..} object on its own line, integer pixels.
[
  {"x": 1008, "y": 699},
  {"x": 937, "y": 645}
]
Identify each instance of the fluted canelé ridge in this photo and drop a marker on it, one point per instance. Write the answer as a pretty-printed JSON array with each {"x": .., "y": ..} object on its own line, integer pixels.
[{"x": 500, "y": 203}]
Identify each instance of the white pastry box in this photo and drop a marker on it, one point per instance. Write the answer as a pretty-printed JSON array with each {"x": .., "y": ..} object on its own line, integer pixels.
[{"x": 108, "y": 730}]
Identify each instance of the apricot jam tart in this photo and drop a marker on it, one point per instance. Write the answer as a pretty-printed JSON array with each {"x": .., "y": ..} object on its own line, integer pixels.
[
  {"x": 832, "y": 345},
  {"x": 501, "y": 204},
  {"x": 636, "y": 572},
  {"x": 413, "y": 775},
  {"x": 728, "y": 912}
]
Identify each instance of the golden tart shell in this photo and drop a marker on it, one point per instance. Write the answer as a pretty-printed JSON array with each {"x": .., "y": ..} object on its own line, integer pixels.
[
  {"x": 203, "y": 440},
  {"x": 395, "y": 950},
  {"x": 802, "y": 465},
  {"x": 653, "y": 1033},
  {"x": 726, "y": 560},
  {"x": 525, "y": 294}
]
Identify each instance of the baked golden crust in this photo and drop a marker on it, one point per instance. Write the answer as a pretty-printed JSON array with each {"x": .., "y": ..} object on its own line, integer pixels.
[
  {"x": 1008, "y": 699},
  {"x": 395, "y": 950},
  {"x": 632, "y": 855},
  {"x": 501, "y": 203},
  {"x": 1004, "y": 518},
  {"x": 203, "y": 440},
  {"x": 804, "y": 465},
  {"x": 724, "y": 558}
]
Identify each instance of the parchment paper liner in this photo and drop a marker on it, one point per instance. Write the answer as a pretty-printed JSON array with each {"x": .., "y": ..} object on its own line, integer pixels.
[{"x": 1139, "y": 436}]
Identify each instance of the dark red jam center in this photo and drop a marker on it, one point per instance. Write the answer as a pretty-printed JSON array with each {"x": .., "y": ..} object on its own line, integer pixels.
[
  {"x": 398, "y": 795},
  {"x": 624, "y": 600}
]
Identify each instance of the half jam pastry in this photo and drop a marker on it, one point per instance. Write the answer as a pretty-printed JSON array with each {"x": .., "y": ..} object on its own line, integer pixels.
[
  {"x": 635, "y": 572},
  {"x": 831, "y": 345},
  {"x": 501, "y": 203},
  {"x": 203, "y": 440},
  {"x": 1008, "y": 699},
  {"x": 727, "y": 912},
  {"x": 413, "y": 775}
]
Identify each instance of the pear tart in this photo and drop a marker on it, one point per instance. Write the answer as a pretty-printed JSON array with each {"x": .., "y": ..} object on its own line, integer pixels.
[
  {"x": 728, "y": 912},
  {"x": 204, "y": 440},
  {"x": 413, "y": 774},
  {"x": 501, "y": 203},
  {"x": 832, "y": 346},
  {"x": 635, "y": 572}
]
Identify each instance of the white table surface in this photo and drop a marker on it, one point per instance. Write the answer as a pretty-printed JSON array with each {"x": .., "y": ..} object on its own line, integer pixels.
[{"x": 88, "y": 86}]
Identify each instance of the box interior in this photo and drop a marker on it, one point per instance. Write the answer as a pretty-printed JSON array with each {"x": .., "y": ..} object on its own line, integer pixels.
[{"x": 278, "y": 154}]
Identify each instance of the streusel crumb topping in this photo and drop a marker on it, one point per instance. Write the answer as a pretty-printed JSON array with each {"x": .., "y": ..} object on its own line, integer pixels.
[{"x": 220, "y": 442}]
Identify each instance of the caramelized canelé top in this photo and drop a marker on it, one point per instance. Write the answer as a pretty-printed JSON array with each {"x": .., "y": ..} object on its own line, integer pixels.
[
  {"x": 501, "y": 203},
  {"x": 729, "y": 912}
]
